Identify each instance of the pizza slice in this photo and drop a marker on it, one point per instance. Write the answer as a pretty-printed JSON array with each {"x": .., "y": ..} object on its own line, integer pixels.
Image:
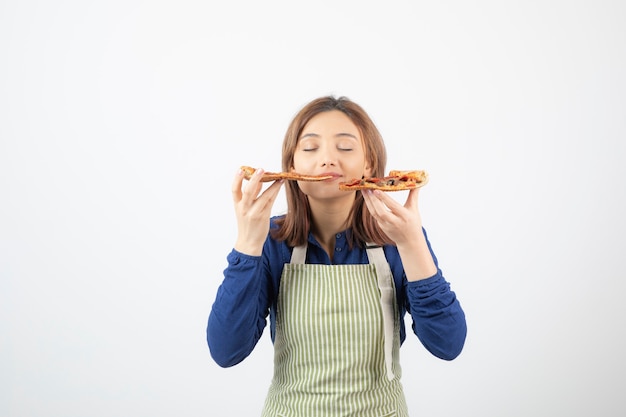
[
  {"x": 395, "y": 181},
  {"x": 292, "y": 176}
]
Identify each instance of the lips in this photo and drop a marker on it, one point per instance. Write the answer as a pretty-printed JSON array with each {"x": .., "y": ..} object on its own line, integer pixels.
[{"x": 334, "y": 175}]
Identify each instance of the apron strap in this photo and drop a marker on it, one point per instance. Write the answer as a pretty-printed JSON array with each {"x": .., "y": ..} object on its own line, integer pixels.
[
  {"x": 298, "y": 255},
  {"x": 376, "y": 256}
]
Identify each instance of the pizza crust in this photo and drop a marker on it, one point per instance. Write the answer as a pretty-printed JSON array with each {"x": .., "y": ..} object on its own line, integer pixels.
[
  {"x": 396, "y": 180},
  {"x": 291, "y": 176}
]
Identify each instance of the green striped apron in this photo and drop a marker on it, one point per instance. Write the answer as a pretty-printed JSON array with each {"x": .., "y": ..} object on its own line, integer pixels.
[{"x": 337, "y": 341}]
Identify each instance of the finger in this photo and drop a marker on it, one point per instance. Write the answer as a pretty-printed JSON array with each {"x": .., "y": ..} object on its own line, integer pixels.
[
  {"x": 412, "y": 199},
  {"x": 262, "y": 206},
  {"x": 253, "y": 187},
  {"x": 388, "y": 203},
  {"x": 367, "y": 197},
  {"x": 375, "y": 206},
  {"x": 236, "y": 186},
  {"x": 268, "y": 196}
]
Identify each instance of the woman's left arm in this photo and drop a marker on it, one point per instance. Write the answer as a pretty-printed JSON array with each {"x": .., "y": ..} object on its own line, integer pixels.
[
  {"x": 438, "y": 319},
  {"x": 403, "y": 225}
]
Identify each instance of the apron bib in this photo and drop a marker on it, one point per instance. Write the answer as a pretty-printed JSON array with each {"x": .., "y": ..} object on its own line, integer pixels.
[{"x": 337, "y": 343}]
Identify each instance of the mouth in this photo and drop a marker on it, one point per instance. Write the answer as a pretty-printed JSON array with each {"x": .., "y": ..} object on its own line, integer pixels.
[{"x": 334, "y": 176}]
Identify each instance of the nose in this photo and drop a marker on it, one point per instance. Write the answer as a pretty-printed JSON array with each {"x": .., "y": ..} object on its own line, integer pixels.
[{"x": 328, "y": 157}]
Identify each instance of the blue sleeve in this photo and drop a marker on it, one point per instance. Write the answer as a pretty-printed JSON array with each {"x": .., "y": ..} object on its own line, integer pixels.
[
  {"x": 438, "y": 319},
  {"x": 239, "y": 313}
]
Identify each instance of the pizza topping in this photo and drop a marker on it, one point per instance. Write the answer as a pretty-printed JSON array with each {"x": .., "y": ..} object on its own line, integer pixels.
[{"x": 395, "y": 181}]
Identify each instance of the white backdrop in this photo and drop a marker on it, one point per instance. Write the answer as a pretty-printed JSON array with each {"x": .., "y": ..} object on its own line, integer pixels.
[{"x": 122, "y": 124}]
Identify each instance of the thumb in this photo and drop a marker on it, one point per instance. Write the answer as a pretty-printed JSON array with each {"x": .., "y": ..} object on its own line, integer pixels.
[{"x": 412, "y": 199}]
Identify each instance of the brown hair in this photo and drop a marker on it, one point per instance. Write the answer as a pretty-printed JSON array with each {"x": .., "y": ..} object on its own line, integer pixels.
[{"x": 295, "y": 225}]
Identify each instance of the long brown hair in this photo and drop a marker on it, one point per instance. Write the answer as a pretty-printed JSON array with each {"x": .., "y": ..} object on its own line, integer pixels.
[{"x": 295, "y": 225}]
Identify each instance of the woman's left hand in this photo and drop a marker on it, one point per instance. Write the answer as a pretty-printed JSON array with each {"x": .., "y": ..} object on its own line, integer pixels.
[{"x": 402, "y": 223}]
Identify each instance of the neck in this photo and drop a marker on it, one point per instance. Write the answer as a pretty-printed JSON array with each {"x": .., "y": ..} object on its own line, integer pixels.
[{"x": 328, "y": 220}]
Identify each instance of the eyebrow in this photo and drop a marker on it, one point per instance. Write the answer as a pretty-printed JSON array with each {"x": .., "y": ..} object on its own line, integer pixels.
[{"x": 315, "y": 135}]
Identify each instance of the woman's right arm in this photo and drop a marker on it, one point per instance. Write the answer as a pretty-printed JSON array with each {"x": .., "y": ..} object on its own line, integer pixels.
[{"x": 239, "y": 313}]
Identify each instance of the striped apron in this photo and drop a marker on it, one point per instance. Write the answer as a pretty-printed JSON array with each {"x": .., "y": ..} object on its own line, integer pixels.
[{"x": 337, "y": 341}]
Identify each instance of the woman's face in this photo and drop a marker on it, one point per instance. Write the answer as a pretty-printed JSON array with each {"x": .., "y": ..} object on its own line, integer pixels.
[{"x": 330, "y": 143}]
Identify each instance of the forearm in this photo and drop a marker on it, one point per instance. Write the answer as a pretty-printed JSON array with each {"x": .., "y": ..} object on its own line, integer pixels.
[
  {"x": 438, "y": 319},
  {"x": 417, "y": 258},
  {"x": 238, "y": 315}
]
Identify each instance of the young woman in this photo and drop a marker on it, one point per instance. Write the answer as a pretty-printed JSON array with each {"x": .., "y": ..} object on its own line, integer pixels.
[{"x": 336, "y": 274}]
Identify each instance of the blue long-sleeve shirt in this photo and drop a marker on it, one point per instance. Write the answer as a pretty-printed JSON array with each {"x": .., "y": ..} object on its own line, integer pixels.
[{"x": 249, "y": 292}]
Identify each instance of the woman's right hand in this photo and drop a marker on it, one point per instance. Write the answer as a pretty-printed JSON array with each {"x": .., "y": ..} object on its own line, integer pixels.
[{"x": 253, "y": 211}]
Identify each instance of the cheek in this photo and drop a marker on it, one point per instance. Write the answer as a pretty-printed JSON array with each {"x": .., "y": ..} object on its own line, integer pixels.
[
  {"x": 365, "y": 166},
  {"x": 367, "y": 171},
  {"x": 295, "y": 164},
  {"x": 301, "y": 162}
]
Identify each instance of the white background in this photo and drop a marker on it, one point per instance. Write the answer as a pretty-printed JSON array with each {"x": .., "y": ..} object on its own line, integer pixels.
[{"x": 122, "y": 124}]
